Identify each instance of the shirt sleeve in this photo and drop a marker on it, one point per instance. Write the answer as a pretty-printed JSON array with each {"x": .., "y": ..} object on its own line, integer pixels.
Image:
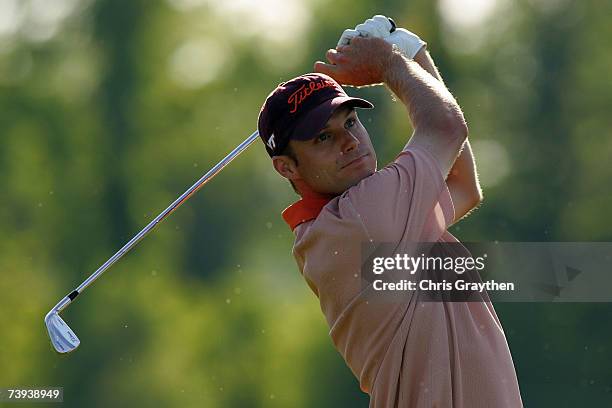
[{"x": 406, "y": 200}]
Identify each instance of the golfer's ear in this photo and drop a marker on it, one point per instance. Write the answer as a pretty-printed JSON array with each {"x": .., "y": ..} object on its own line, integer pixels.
[{"x": 285, "y": 166}]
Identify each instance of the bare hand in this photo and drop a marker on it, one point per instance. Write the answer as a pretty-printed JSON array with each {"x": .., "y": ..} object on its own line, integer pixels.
[{"x": 363, "y": 62}]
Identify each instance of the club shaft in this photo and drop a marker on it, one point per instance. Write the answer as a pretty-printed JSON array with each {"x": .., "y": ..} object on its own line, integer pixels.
[{"x": 177, "y": 203}]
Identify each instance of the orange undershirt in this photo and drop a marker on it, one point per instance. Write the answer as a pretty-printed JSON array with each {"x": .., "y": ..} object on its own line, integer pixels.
[{"x": 305, "y": 209}]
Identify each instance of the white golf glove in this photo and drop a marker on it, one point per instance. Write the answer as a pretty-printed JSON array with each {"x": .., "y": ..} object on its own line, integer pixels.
[{"x": 408, "y": 43}]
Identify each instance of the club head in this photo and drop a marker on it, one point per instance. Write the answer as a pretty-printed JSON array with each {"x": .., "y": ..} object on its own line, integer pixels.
[{"x": 63, "y": 339}]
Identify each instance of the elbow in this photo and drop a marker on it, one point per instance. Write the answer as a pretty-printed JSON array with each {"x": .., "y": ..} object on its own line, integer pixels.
[
  {"x": 471, "y": 204},
  {"x": 461, "y": 129},
  {"x": 473, "y": 196},
  {"x": 477, "y": 198},
  {"x": 453, "y": 124},
  {"x": 457, "y": 125}
]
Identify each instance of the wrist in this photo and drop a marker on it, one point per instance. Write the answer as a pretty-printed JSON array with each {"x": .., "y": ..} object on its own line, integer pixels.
[
  {"x": 408, "y": 42},
  {"x": 394, "y": 62}
]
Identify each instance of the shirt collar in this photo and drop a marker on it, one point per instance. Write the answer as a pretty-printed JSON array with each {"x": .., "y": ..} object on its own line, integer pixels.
[{"x": 305, "y": 209}]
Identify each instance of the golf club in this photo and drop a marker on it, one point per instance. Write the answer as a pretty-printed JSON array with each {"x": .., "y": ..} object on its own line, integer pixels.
[{"x": 62, "y": 337}]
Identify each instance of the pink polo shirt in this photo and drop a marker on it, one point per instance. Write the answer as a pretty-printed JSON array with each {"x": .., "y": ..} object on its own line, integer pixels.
[{"x": 406, "y": 352}]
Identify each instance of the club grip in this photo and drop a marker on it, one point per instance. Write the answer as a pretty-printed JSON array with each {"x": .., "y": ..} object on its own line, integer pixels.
[{"x": 73, "y": 294}]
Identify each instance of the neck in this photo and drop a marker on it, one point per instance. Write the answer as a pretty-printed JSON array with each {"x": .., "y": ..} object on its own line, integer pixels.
[{"x": 307, "y": 192}]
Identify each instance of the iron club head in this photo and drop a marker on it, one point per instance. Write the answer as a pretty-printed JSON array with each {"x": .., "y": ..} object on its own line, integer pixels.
[{"x": 62, "y": 337}]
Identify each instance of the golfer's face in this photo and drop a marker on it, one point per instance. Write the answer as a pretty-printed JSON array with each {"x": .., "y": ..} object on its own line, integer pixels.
[{"x": 339, "y": 156}]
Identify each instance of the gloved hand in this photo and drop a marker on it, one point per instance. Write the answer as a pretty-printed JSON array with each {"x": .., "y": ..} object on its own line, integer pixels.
[
  {"x": 377, "y": 26},
  {"x": 380, "y": 26}
]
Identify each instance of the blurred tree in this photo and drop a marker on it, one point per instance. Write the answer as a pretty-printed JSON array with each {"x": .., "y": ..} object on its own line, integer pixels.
[{"x": 111, "y": 109}]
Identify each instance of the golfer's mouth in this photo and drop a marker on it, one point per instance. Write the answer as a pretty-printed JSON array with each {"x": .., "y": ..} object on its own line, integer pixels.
[{"x": 357, "y": 160}]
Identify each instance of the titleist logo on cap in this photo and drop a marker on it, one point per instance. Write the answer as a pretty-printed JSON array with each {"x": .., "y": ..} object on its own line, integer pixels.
[{"x": 299, "y": 96}]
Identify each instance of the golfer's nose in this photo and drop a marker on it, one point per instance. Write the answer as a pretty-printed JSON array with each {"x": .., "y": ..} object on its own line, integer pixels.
[{"x": 349, "y": 141}]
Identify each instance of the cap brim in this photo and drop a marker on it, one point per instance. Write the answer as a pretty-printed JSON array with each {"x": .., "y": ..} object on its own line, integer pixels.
[{"x": 312, "y": 122}]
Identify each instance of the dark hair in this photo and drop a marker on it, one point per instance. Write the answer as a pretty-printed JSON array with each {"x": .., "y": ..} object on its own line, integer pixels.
[{"x": 288, "y": 151}]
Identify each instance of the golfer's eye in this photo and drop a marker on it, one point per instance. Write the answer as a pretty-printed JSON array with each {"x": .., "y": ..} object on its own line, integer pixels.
[
  {"x": 323, "y": 137},
  {"x": 349, "y": 123}
]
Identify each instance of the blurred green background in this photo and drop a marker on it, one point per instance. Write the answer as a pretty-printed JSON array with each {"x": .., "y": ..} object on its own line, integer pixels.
[{"x": 110, "y": 109}]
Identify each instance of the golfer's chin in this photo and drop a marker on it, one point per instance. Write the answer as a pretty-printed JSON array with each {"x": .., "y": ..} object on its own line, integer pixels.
[
  {"x": 357, "y": 174},
  {"x": 360, "y": 168}
]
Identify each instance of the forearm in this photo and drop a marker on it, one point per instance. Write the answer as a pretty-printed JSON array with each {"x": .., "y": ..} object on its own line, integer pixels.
[
  {"x": 464, "y": 167},
  {"x": 463, "y": 175},
  {"x": 430, "y": 105}
]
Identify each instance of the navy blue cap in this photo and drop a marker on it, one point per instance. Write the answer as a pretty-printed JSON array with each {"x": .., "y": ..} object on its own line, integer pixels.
[{"x": 298, "y": 109}]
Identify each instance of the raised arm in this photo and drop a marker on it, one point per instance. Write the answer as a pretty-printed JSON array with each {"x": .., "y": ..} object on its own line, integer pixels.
[
  {"x": 437, "y": 120},
  {"x": 462, "y": 180}
]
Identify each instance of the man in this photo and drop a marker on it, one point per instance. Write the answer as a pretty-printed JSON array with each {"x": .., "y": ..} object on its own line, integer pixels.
[{"x": 405, "y": 352}]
